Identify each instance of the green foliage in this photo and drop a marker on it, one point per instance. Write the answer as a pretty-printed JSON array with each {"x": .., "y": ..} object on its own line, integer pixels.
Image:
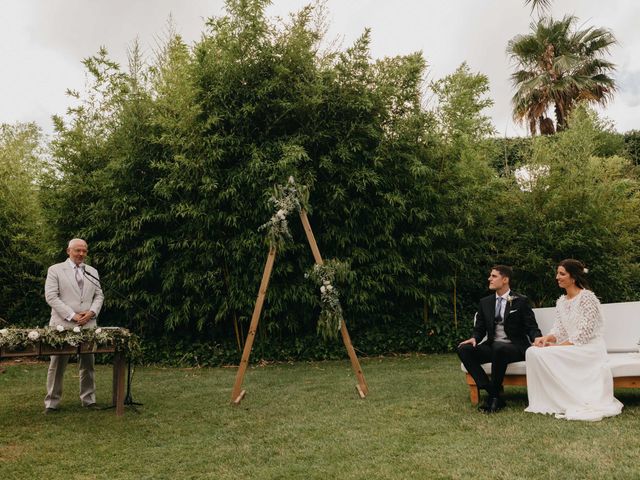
[
  {"x": 175, "y": 162},
  {"x": 510, "y": 152},
  {"x": 579, "y": 206},
  {"x": 286, "y": 199},
  {"x": 325, "y": 276},
  {"x": 22, "y": 227},
  {"x": 462, "y": 206},
  {"x": 462, "y": 99},
  {"x": 632, "y": 146}
]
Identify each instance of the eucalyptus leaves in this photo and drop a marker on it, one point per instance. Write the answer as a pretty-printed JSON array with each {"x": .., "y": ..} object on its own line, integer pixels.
[
  {"x": 331, "y": 316},
  {"x": 286, "y": 199},
  {"x": 292, "y": 197}
]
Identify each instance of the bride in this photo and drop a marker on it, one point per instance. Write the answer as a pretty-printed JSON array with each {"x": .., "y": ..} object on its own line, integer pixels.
[{"x": 567, "y": 371}]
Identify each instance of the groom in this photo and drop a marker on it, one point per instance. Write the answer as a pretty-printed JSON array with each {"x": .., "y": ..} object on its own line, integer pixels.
[{"x": 508, "y": 322}]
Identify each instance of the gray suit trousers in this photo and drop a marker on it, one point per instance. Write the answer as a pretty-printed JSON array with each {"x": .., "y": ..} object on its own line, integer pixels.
[{"x": 55, "y": 377}]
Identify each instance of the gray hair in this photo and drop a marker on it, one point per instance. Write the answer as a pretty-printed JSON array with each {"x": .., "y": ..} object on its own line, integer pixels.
[{"x": 74, "y": 240}]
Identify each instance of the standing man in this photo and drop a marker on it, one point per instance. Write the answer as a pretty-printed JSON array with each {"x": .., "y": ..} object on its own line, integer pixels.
[
  {"x": 508, "y": 322},
  {"x": 73, "y": 291}
]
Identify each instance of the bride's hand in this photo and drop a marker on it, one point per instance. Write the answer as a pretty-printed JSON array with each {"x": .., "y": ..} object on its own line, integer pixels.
[{"x": 540, "y": 342}]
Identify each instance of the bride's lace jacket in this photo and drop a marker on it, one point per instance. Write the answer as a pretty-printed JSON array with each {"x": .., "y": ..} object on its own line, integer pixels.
[{"x": 578, "y": 320}]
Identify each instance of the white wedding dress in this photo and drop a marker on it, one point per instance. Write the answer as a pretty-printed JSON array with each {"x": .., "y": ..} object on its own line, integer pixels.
[{"x": 573, "y": 381}]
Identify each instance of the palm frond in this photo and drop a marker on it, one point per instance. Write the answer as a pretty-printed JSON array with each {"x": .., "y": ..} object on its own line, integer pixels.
[
  {"x": 558, "y": 65},
  {"x": 540, "y": 5}
]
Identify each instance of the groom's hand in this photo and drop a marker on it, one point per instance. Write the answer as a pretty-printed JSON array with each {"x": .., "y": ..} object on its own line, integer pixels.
[{"x": 471, "y": 341}]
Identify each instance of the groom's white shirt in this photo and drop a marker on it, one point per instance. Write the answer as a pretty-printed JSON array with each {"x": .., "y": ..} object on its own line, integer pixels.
[
  {"x": 503, "y": 305},
  {"x": 500, "y": 335},
  {"x": 63, "y": 294}
]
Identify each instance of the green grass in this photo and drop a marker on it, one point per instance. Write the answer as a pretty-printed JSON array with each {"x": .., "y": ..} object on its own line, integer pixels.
[{"x": 303, "y": 421}]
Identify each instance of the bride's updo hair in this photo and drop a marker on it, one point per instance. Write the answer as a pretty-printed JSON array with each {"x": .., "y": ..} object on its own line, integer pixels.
[{"x": 577, "y": 271}]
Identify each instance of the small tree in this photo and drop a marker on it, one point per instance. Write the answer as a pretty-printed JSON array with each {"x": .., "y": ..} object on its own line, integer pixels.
[
  {"x": 579, "y": 206},
  {"x": 22, "y": 229}
]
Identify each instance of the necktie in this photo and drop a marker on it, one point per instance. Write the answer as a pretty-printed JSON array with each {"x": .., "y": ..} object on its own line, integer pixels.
[
  {"x": 498, "y": 310},
  {"x": 79, "y": 278}
]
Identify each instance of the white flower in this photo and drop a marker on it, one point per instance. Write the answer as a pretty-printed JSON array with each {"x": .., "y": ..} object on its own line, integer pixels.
[
  {"x": 4, "y": 331},
  {"x": 60, "y": 328},
  {"x": 585, "y": 270},
  {"x": 33, "y": 335},
  {"x": 291, "y": 180},
  {"x": 510, "y": 299},
  {"x": 326, "y": 282},
  {"x": 98, "y": 331},
  {"x": 323, "y": 289},
  {"x": 329, "y": 288},
  {"x": 76, "y": 329}
]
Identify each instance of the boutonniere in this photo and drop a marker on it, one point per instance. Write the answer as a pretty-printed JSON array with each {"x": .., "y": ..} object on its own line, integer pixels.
[{"x": 511, "y": 299}]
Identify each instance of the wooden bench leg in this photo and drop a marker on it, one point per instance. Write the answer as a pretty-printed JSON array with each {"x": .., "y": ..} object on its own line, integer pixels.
[
  {"x": 474, "y": 393},
  {"x": 516, "y": 380}
]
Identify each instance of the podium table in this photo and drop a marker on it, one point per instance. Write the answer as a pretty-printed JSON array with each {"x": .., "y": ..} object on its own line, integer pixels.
[{"x": 119, "y": 363}]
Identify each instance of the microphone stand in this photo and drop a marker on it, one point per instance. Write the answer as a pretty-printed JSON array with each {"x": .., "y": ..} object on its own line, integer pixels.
[{"x": 128, "y": 399}]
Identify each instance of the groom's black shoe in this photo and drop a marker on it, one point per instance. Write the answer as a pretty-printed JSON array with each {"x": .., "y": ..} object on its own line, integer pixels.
[{"x": 492, "y": 405}]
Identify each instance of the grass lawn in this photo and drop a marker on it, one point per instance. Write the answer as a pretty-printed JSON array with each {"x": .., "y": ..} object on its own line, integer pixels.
[{"x": 303, "y": 421}]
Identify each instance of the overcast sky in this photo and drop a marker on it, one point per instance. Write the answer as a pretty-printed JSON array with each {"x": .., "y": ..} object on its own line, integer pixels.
[{"x": 42, "y": 42}]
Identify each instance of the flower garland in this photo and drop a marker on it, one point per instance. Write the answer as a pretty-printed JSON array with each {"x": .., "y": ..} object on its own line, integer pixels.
[
  {"x": 331, "y": 317},
  {"x": 286, "y": 199},
  {"x": 293, "y": 197},
  {"x": 59, "y": 336}
]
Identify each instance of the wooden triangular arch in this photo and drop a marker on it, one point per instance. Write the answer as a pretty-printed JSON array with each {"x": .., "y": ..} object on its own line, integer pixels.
[{"x": 238, "y": 394}]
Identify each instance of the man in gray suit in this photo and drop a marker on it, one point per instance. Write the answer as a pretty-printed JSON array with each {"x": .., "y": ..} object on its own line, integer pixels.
[{"x": 73, "y": 291}]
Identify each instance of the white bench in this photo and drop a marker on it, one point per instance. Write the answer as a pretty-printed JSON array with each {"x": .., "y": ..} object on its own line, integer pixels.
[{"x": 621, "y": 334}]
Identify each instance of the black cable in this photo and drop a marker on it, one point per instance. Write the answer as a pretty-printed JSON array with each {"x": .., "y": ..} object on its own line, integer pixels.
[{"x": 128, "y": 399}]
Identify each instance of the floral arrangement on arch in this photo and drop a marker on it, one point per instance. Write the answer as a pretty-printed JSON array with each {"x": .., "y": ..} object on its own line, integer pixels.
[
  {"x": 59, "y": 336},
  {"x": 286, "y": 199},
  {"x": 325, "y": 276}
]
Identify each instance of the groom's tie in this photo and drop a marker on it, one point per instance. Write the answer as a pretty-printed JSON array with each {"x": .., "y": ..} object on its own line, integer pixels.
[{"x": 498, "y": 309}]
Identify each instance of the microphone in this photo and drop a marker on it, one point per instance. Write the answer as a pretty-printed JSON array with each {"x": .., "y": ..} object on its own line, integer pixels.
[
  {"x": 85, "y": 273},
  {"x": 122, "y": 296}
]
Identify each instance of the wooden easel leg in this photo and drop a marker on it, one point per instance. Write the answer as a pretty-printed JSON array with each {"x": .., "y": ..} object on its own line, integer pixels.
[
  {"x": 310, "y": 238},
  {"x": 362, "y": 387},
  {"x": 238, "y": 394},
  {"x": 239, "y": 398}
]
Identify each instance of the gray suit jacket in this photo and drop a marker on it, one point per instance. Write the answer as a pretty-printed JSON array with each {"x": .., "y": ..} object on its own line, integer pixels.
[{"x": 63, "y": 294}]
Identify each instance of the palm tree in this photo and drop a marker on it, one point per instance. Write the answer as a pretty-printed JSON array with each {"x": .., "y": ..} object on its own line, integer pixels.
[{"x": 558, "y": 66}]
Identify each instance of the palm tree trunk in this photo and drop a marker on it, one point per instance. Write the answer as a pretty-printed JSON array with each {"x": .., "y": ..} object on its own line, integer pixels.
[{"x": 560, "y": 117}]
